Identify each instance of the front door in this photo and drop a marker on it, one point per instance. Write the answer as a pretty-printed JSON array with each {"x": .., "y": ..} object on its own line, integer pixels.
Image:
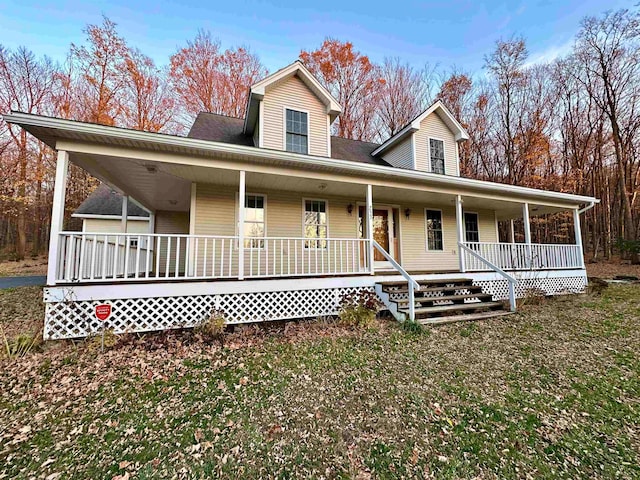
[{"x": 382, "y": 233}]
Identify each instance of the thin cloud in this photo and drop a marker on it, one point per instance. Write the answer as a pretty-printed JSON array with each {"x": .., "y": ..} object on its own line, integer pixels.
[{"x": 550, "y": 54}]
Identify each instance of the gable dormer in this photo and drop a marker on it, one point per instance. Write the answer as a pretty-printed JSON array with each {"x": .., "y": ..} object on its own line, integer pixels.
[
  {"x": 429, "y": 143},
  {"x": 291, "y": 111}
]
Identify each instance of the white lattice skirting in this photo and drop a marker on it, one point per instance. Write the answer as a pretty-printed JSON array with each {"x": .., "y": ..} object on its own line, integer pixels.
[
  {"x": 499, "y": 288},
  {"x": 75, "y": 318}
]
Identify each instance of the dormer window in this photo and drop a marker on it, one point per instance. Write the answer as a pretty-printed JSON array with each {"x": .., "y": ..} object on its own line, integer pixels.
[
  {"x": 436, "y": 154},
  {"x": 296, "y": 131}
]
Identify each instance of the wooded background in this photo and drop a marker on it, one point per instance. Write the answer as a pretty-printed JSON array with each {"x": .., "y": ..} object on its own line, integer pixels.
[{"x": 571, "y": 125}]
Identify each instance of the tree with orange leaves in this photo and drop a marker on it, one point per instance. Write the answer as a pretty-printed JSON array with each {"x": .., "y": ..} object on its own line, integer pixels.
[
  {"x": 100, "y": 75},
  {"x": 149, "y": 105},
  {"x": 207, "y": 79},
  {"x": 354, "y": 82}
]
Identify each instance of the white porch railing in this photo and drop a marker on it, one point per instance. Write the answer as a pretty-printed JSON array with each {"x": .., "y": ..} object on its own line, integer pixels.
[
  {"x": 97, "y": 257},
  {"x": 523, "y": 256}
]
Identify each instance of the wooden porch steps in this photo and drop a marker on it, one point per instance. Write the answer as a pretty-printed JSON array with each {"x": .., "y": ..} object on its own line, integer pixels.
[
  {"x": 463, "y": 318},
  {"x": 440, "y": 301}
]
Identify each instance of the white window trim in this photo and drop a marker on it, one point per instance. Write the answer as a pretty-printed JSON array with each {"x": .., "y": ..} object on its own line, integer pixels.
[
  {"x": 246, "y": 194},
  {"x": 426, "y": 230},
  {"x": 464, "y": 224},
  {"x": 284, "y": 128},
  {"x": 444, "y": 153},
  {"x": 326, "y": 202}
]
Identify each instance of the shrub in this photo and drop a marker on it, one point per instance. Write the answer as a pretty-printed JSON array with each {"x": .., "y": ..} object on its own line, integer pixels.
[
  {"x": 414, "y": 328},
  {"x": 212, "y": 328},
  {"x": 21, "y": 345},
  {"x": 359, "y": 309}
]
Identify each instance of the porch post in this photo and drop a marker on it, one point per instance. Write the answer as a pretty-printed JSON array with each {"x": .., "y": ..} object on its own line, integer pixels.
[
  {"x": 191, "y": 253},
  {"x": 151, "y": 242},
  {"x": 460, "y": 231},
  {"x": 578, "y": 233},
  {"x": 241, "y": 202},
  {"x": 370, "y": 227},
  {"x": 57, "y": 214},
  {"x": 527, "y": 233},
  {"x": 512, "y": 231},
  {"x": 125, "y": 212}
]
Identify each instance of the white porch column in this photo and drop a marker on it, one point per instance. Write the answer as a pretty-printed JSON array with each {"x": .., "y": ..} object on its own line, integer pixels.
[
  {"x": 125, "y": 212},
  {"x": 578, "y": 234},
  {"x": 512, "y": 231},
  {"x": 527, "y": 233},
  {"x": 460, "y": 231},
  {"x": 57, "y": 214},
  {"x": 191, "y": 253},
  {"x": 370, "y": 227},
  {"x": 151, "y": 242},
  {"x": 241, "y": 202}
]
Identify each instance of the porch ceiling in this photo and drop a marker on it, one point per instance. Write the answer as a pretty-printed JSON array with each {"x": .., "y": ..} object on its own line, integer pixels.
[{"x": 167, "y": 186}]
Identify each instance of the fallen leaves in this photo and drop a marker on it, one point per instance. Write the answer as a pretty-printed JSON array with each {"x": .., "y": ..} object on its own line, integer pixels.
[{"x": 320, "y": 401}]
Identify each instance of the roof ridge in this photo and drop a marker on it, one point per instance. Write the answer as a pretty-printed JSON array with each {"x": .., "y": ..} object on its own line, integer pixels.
[{"x": 220, "y": 115}]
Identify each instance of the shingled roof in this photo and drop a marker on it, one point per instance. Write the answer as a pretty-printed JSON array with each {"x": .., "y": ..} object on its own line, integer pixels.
[
  {"x": 105, "y": 201},
  {"x": 220, "y": 128}
]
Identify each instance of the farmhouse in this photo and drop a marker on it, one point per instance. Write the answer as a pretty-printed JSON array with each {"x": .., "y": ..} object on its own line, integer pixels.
[{"x": 270, "y": 217}]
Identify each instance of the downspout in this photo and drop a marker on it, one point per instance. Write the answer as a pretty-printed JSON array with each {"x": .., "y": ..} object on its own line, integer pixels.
[{"x": 588, "y": 207}]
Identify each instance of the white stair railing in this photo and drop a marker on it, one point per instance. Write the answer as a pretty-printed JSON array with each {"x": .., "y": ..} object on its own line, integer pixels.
[
  {"x": 510, "y": 279},
  {"x": 412, "y": 284}
]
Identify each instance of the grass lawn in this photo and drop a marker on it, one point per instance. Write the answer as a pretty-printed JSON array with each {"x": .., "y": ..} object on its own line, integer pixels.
[{"x": 551, "y": 392}]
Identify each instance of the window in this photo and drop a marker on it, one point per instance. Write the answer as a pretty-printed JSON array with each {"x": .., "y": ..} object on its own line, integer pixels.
[
  {"x": 315, "y": 223},
  {"x": 297, "y": 133},
  {"x": 254, "y": 226},
  {"x": 471, "y": 231},
  {"x": 434, "y": 230},
  {"x": 436, "y": 152}
]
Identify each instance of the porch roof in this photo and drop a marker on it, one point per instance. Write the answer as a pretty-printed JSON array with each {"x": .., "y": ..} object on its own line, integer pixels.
[{"x": 57, "y": 132}]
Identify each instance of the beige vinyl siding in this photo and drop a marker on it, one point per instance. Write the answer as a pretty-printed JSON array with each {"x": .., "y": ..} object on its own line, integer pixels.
[
  {"x": 401, "y": 155},
  {"x": 104, "y": 225},
  {"x": 434, "y": 127},
  {"x": 413, "y": 240},
  {"x": 486, "y": 225},
  {"x": 216, "y": 214},
  {"x": 414, "y": 237},
  {"x": 294, "y": 94},
  {"x": 171, "y": 222}
]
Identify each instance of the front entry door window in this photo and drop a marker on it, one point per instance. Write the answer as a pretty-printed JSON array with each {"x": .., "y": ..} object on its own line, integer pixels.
[{"x": 381, "y": 232}]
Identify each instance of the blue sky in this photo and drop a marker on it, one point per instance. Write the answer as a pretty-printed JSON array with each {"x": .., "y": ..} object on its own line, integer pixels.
[{"x": 447, "y": 33}]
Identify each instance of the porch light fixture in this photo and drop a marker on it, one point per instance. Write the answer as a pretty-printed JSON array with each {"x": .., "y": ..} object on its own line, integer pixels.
[
  {"x": 173, "y": 202},
  {"x": 350, "y": 209},
  {"x": 407, "y": 213},
  {"x": 151, "y": 168},
  {"x": 322, "y": 187}
]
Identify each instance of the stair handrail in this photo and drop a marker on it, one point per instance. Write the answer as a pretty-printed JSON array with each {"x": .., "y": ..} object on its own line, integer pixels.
[
  {"x": 510, "y": 278},
  {"x": 412, "y": 284}
]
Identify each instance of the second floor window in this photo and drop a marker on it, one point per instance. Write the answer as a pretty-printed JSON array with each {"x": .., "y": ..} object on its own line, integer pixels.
[
  {"x": 436, "y": 152},
  {"x": 296, "y": 131}
]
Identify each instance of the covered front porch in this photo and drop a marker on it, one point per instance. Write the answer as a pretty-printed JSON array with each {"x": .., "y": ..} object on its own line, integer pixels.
[{"x": 212, "y": 224}]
